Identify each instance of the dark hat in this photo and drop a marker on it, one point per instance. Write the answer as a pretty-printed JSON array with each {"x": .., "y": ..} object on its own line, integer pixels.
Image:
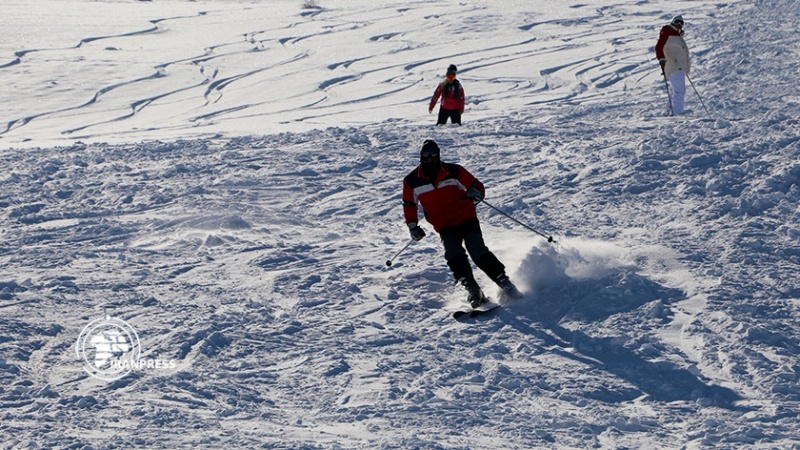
[
  {"x": 429, "y": 148},
  {"x": 452, "y": 69}
]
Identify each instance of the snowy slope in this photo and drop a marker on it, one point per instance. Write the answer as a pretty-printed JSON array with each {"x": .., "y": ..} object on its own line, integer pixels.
[{"x": 236, "y": 192}]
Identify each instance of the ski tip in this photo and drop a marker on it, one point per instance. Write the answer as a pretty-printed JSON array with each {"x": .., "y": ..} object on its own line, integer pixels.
[{"x": 461, "y": 314}]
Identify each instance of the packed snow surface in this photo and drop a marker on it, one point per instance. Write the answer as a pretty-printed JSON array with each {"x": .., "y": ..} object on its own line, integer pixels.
[{"x": 225, "y": 177}]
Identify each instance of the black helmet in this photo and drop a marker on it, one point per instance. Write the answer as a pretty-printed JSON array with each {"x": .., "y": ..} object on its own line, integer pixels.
[
  {"x": 429, "y": 148},
  {"x": 429, "y": 158},
  {"x": 452, "y": 69}
]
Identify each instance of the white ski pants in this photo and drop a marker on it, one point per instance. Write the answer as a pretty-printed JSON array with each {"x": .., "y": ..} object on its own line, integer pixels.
[{"x": 677, "y": 91}]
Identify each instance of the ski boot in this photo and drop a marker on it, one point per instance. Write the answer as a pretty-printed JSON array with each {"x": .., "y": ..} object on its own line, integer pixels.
[
  {"x": 475, "y": 295},
  {"x": 510, "y": 292}
]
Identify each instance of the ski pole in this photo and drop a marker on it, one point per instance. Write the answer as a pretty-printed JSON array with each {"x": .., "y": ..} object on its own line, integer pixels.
[
  {"x": 698, "y": 95},
  {"x": 389, "y": 261},
  {"x": 549, "y": 238}
]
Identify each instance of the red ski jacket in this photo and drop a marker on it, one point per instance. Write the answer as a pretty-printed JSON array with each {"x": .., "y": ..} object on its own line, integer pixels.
[
  {"x": 452, "y": 94},
  {"x": 663, "y": 36},
  {"x": 443, "y": 201}
]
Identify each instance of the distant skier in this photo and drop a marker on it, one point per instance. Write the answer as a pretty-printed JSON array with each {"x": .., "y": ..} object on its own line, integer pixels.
[
  {"x": 453, "y": 99},
  {"x": 448, "y": 194},
  {"x": 673, "y": 56}
]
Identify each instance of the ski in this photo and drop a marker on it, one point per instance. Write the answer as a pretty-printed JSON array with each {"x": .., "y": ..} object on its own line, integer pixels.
[
  {"x": 508, "y": 292},
  {"x": 473, "y": 313}
]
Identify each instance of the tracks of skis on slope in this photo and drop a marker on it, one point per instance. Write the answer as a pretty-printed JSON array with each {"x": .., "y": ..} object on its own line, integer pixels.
[
  {"x": 381, "y": 78},
  {"x": 211, "y": 62},
  {"x": 20, "y": 59}
]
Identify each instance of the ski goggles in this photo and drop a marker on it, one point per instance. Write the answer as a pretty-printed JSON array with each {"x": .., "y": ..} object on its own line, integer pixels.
[{"x": 428, "y": 157}]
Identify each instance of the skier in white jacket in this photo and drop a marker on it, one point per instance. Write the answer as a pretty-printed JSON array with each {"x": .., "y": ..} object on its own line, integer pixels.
[{"x": 673, "y": 56}]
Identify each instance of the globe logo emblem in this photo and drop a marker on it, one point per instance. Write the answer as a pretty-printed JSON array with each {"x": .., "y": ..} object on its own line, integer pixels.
[{"x": 109, "y": 348}]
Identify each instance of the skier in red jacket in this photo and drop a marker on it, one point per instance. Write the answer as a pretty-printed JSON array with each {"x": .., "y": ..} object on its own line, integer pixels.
[
  {"x": 448, "y": 194},
  {"x": 673, "y": 56},
  {"x": 453, "y": 99}
]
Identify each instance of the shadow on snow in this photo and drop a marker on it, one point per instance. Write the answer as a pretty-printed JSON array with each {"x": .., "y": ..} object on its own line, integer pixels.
[{"x": 562, "y": 306}]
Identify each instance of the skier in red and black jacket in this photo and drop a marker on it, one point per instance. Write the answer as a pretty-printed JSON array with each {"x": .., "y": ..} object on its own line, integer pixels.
[
  {"x": 448, "y": 194},
  {"x": 453, "y": 98}
]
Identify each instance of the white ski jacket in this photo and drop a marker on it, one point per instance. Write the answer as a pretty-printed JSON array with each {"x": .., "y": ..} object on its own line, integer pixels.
[{"x": 672, "y": 47}]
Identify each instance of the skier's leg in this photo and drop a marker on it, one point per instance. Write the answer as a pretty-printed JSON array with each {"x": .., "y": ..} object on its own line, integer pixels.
[
  {"x": 458, "y": 262},
  {"x": 677, "y": 89},
  {"x": 460, "y": 268},
  {"x": 490, "y": 265},
  {"x": 455, "y": 255},
  {"x": 480, "y": 253},
  {"x": 443, "y": 114},
  {"x": 455, "y": 116},
  {"x": 487, "y": 261},
  {"x": 462, "y": 272}
]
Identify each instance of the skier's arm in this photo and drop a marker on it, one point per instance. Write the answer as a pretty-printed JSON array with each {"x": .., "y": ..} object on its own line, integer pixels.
[
  {"x": 463, "y": 98},
  {"x": 662, "y": 41},
  {"x": 409, "y": 205},
  {"x": 470, "y": 182},
  {"x": 436, "y": 94}
]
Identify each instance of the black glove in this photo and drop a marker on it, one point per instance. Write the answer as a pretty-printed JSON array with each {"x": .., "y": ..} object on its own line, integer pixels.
[
  {"x": 417, "y": 233},
  {"x": 474, "y": 194},
  {"x": 662, "y": 63}
]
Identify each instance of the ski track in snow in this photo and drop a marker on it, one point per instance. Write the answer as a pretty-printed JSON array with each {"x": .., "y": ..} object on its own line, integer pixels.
[
  {"x": 665, "y": 316},
  {"x": 271, "y": 74}
]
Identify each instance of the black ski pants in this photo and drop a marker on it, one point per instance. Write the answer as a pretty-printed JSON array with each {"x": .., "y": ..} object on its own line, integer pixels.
[
  {"x": 453, "y": 114},
  {"x": 468, "y": 233}
]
